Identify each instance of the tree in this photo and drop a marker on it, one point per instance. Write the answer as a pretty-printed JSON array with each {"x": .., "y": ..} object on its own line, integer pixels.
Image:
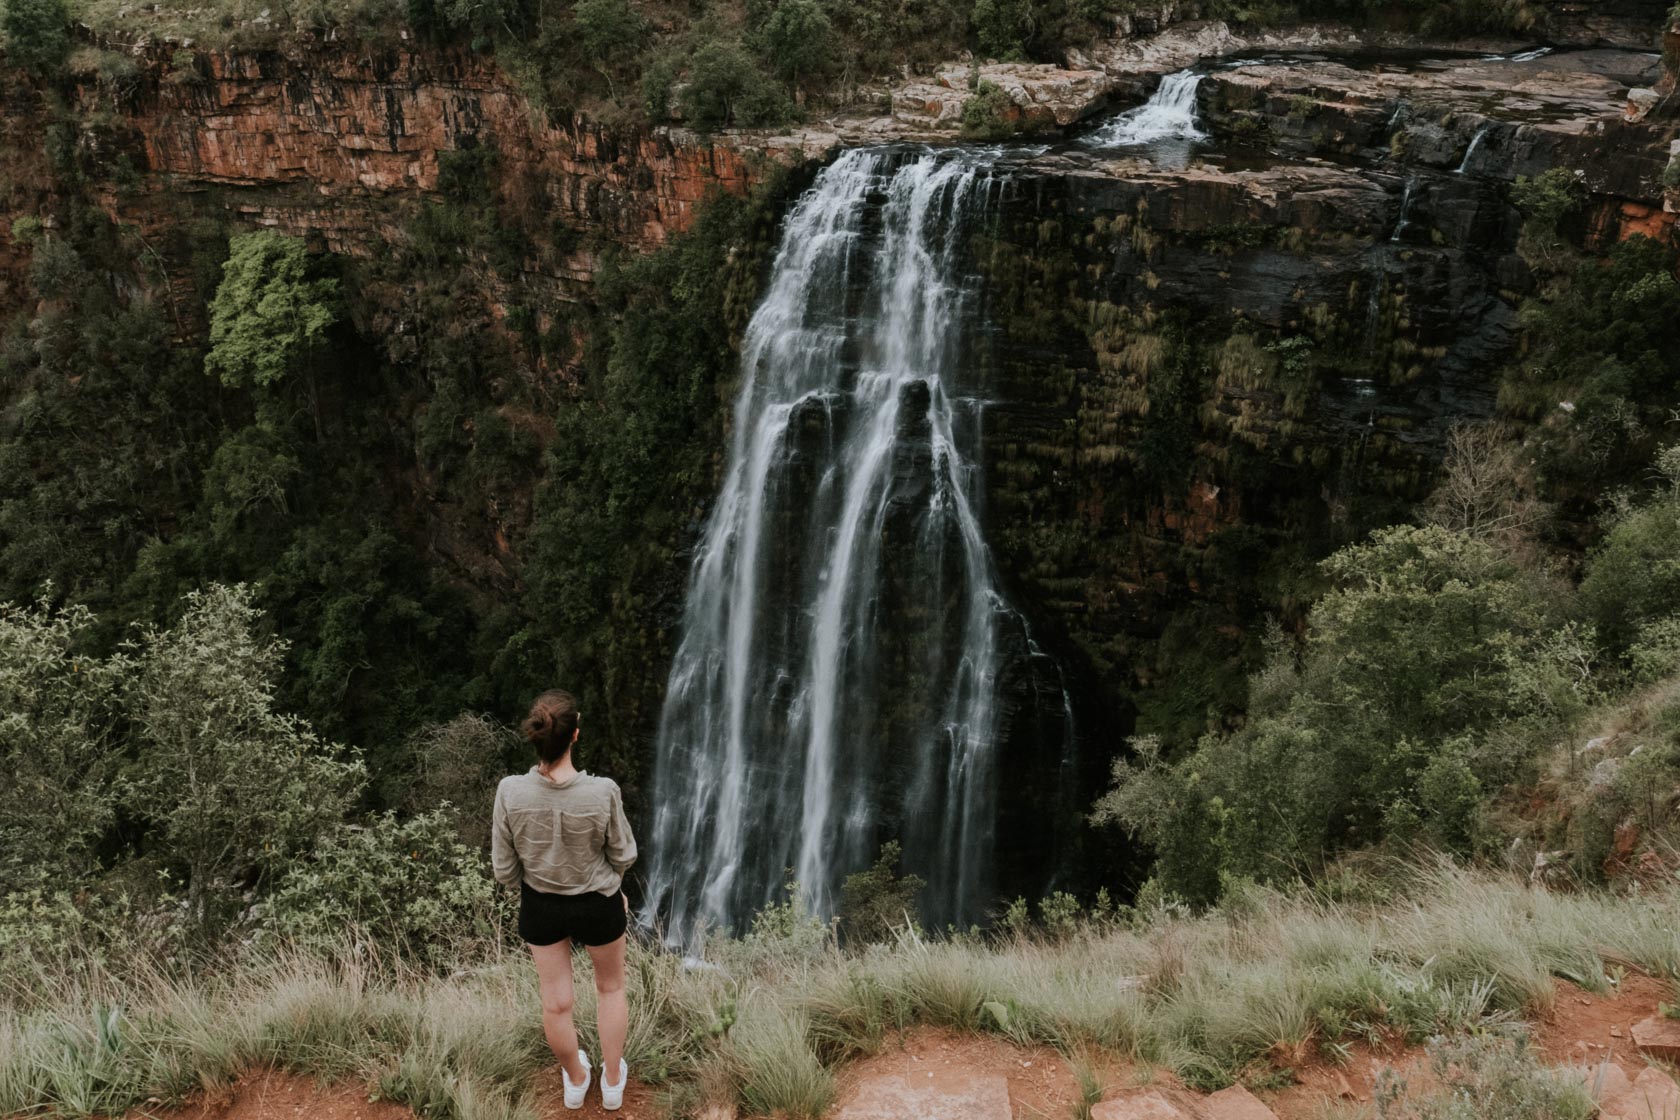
[
  {"x": 609, "y": 32},
  {"x": 234, "y": 787},
  {"x": 1003, "y": 27},
  {"x": 270, "y": 312},
  {"x": 1484, "y": 490},
  {"x": 455, "y": 763},
  {"x": 37, "y": 34},
  {"x": 797, "y": 40},
  {"x": 59, "y": 710},
  {"x": 877, "y": 902},
  {"x": 725, "y": 86},
  {"x": 1633, "y": 580},
  {"x": 1428, "y": 641}
]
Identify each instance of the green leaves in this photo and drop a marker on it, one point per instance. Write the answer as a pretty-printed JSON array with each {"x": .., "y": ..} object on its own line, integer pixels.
[
  {"x": 37, "y": 34},
  {"x": 610, "y": 31},
  {"x": 59, "y": 709},
  {"x": 1429, "y": 640},
  {"x": 408, "y": 883},
  {"x": 231, "y": 784},
  {"x": 271, "y": 313}
]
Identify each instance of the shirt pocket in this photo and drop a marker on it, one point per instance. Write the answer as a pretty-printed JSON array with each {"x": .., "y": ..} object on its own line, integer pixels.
[
  {"x": 580, "y": 838},
  {"x": 533, "y": 831}
]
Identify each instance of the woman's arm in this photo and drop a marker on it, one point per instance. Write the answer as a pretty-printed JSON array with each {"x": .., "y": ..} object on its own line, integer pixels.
[
  {"x": 621, "y": 842},
  {"x": 504, "y": 859}
]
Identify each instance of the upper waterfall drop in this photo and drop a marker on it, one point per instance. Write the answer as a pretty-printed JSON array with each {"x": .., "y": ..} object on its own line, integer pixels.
[
  {"x": 836, "y": 681},
  {"x": 1169, "y": 114}
]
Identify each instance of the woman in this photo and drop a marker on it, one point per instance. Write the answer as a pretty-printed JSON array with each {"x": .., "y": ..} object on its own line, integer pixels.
[{"x": 561, "y": 837}]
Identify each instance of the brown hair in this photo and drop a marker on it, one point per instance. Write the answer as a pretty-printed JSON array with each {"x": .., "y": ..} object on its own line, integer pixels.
[{"x": 552, "y": 723}]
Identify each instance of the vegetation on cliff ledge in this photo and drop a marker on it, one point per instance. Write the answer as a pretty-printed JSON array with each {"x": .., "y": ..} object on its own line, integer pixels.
[{"x": 736, "y": 63}]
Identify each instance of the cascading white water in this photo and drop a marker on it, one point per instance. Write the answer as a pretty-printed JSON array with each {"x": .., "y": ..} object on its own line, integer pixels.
[
  {"x": 1405, "y": 217},
  {"x": 1169, "y": 114},
  {"x": 835, "y": 683},
  {"x": 1470, "y": 152}
]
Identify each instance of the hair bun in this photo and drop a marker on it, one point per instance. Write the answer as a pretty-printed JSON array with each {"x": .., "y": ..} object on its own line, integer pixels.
[{"x": 552, "y": 724}]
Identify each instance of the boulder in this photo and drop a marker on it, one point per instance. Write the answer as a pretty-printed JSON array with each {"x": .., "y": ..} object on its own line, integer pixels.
[
  {"x": 1658, "y": 1036},
  {"x": 1043, "y": 94},
  {"x": 1653, "y": 1095},
  {"x": 1183, "y": 45},
  {"x": 1605, "y": 1082},
  {"x": 1147, "y": 1105},
  {"x": 943, "y": 1097},
  {"x": 1640, "y": 102},
  {"x": 1236, "y": 1103}
]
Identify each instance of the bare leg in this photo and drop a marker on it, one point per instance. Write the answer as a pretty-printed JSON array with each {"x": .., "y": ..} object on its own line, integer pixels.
[
  {"x": 554, "y": 977},
  {"x": 612, "y": 1015}
]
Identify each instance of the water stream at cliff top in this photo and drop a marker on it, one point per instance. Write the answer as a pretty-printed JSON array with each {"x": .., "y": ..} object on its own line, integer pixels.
[
  {"x": 1169, "y": 114},
  {"x": 836, "y": 682}
]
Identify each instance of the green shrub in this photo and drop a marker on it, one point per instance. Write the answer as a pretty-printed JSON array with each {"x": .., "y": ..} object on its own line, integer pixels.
[
  {"x": 1547, "y": 197},
  {"x": 26, "y": 229},
  {"x": 876, "y": 903},
  {"x": 1427, "y": 638},
  {"x": 990, "y": 114},
  {"x": 1545, "y": 200},
  {"x": 1602, "y": 370},
  {"x": 1655, "y": 652},
  {"x": 1003, "y": 27},
  {"x": 409, "y": 885},
  {"x": 60, "y": 713},
  {"x": 1488, "y": 1077},
  {"x": 1633, "y": 580},
  {"x": 37, "y": 35}
]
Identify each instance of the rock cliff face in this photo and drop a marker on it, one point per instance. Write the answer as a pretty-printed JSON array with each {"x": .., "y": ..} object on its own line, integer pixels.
[
  {"x": 334, "y": 142},
  {"x": 1216, "y": 370}
]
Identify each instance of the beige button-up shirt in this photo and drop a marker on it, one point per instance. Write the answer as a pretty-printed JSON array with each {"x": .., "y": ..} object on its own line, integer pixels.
[{"x": 561, "y": 837}]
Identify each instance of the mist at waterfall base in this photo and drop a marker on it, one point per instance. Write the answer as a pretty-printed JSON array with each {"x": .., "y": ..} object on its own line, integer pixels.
[{"x": 850, "y": 668}]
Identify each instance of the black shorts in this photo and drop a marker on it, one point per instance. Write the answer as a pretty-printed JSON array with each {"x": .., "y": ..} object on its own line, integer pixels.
[{"x": 588, "y": 919}]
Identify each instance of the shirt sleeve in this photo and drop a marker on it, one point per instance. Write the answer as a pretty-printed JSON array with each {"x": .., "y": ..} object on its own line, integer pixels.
[
  {"x": 621, "y": 842},
  {"x": 504, "y": 858}
]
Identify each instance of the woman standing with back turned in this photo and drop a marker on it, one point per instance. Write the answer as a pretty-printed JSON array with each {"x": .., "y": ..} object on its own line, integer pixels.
[{"x": 560, "y": 836}]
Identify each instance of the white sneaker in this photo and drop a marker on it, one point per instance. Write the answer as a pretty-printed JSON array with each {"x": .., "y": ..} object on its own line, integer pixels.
[
  {"x": 574, "y": 1094},
  {"x": 612, "y": 1096}
]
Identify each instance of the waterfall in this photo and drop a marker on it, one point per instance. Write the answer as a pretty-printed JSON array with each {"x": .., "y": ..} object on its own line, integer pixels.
[
  {"x": 1405, "y": 208},
  {"x": 1169, "y": 114},
  {"x": 1475, "y": 142},
  {"x": 836, "y": 680}
]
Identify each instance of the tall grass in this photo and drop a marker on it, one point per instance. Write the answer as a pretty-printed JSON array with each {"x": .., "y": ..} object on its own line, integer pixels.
[{"x": 1254, "y": 988}]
